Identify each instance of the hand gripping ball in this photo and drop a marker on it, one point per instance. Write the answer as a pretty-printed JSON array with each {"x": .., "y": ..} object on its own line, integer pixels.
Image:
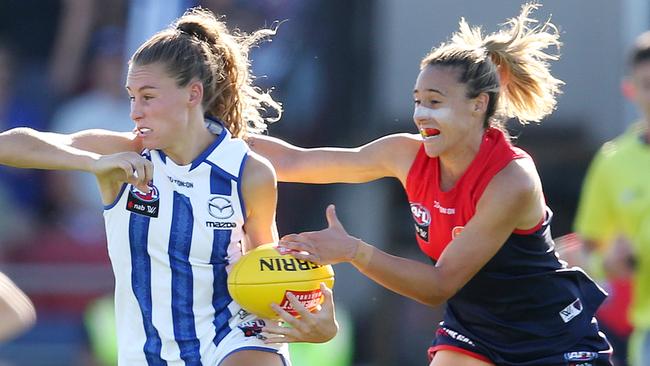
[{"x": 265, "y": 275}]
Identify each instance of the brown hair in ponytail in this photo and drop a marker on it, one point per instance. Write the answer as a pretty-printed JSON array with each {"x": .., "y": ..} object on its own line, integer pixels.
[
  {"x": 511, "y": 66},
  {"x": 198, "y": 46}
]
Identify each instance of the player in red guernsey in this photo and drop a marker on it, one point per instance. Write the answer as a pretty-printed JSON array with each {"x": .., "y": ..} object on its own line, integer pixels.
[{"x": 478, "y": 207}]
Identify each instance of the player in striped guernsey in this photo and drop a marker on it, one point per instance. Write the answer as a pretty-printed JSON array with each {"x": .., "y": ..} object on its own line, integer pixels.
[
  {"x": 210, "y": 200},
  {"x": 173, "y": 241}
]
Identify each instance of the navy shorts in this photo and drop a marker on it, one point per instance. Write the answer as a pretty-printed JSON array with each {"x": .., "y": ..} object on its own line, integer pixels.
[{"x": 593, "y": 350}]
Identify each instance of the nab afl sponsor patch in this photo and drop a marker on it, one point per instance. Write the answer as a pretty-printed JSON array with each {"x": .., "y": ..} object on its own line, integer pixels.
[
  {"x": 143, "y": 203},
  {"x": 422, "y": 219}
]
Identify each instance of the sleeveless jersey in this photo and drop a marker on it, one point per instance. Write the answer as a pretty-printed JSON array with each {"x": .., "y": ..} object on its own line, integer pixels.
[
  {"x": 524, "y": 301},
  {"x": 171, "y": 251}
]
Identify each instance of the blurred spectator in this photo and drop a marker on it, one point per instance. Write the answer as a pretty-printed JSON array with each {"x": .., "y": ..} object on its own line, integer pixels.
[
  {"x": 146, "y": 17},
  {"x": 32, "y": 34},
  {"x": 614, "y": 215},
  {"x": 72, "y": 36},
  {"x": 103, "y": 105},
  {"x": 304, "y": 80},
  {"x": 20, "y": 190}
]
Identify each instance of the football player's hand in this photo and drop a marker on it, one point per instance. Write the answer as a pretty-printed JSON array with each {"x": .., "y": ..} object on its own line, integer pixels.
[
  {"x": 328, "y": 246},
  {"x": 317, "y": 327},
  {"x": 126, "y": 167}
]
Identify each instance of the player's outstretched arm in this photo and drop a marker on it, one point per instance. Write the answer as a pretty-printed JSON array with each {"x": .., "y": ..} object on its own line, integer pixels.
[
  {"x": 28, "y": 148},
  {"x": 25, "y": 147},
  {"x": 17, "y": 313},
  {"x": 389, "y": 156},
  {"x": 510, "y": 201}
]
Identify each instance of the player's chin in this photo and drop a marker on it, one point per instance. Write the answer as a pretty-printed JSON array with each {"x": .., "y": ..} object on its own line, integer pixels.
[
  {"x": 151, "y": 144},
  {"x": 433, "y": 148}
]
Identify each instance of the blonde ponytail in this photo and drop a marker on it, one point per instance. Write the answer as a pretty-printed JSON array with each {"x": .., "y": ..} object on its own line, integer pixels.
[
  {"x": 528, "y": 89},
  {"x": 511, "y": 66}
]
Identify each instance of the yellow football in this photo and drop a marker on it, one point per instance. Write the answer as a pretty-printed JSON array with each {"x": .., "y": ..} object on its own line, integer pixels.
[{"x": 265, "y": 275}]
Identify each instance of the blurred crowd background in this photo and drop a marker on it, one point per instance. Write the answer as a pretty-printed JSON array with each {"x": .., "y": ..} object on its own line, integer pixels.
[{"x": 344, "y": 71}]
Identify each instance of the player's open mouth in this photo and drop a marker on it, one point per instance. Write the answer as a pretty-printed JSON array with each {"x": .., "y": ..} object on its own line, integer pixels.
[
  {"x": 143, "y": 131},
  {"x": 428, "y": 133}
]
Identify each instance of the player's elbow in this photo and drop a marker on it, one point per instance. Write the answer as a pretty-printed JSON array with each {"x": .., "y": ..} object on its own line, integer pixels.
[
  {"x": 437, "y": 296},
  {"x": 433, "y": 300},
  {"x": 441, "y": 291}
]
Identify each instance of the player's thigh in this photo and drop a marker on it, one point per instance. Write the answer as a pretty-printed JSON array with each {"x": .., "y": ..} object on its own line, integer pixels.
[
  {"x": 451, "y": 358},
  {"x": 253, "y": 357}
]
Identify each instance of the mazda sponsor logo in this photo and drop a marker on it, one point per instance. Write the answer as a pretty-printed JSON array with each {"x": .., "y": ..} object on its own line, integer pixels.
[{"x": 220, "y": 207}]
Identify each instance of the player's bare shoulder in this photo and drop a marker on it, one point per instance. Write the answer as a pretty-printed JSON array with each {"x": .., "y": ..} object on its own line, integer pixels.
[
  {"x": 518, "y": 178},
  {"x": 517, "y": 189},
  {"x": 398, "y": 151},
  {"x": 258, "y": 174}
]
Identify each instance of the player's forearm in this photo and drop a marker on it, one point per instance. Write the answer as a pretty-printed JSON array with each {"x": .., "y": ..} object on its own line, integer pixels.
[
  {"x": 416, "y": 280},
  {"x": 28, "y": 148}
]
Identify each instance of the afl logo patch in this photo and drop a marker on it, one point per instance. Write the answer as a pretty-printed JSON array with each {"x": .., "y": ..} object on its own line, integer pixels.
[
  {"x": 146, "y": 197},
  {"x": 220, "y": 208},
  {"x": 143, "y": 203},
  {"x": 422, "y": 219},
  {"x": 421, "y": 215}
]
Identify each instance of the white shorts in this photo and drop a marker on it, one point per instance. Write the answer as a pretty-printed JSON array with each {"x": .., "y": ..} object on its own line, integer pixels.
[{"x": 245, "y": 335}]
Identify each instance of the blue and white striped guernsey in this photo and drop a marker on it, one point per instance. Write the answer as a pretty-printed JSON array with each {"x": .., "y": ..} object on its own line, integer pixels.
[{"x": 171, "y": 259}]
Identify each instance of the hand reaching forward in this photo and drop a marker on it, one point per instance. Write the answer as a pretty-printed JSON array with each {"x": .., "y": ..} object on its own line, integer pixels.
[
  {"x": 129, "y": 167},
  {"x": 327, "y": 246},
  {"x": 317, "y": 327}
]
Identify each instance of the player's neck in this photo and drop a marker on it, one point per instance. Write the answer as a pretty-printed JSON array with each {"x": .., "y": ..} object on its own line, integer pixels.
[{"x": 191, "y": 143}]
